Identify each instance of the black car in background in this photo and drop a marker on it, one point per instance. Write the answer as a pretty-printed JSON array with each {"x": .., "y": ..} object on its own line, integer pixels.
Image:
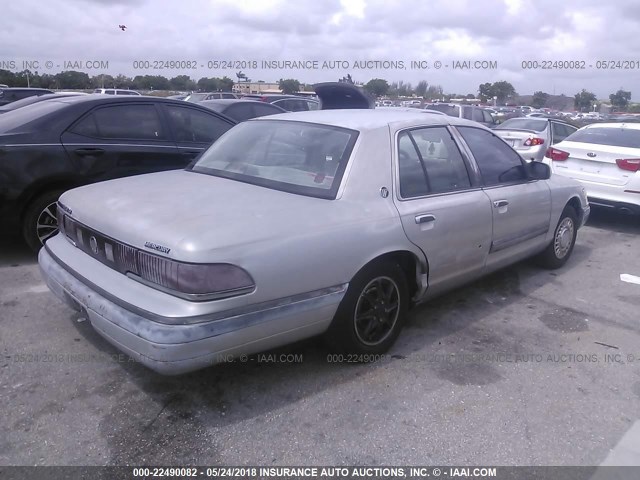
[
  {"x": 8, "y": 95},
  {"x": 52, "y": 146},
  {"x": 35, "y": 99},
  {"x": 241, "y": 110},
  {"x": 291, "y": 103}
]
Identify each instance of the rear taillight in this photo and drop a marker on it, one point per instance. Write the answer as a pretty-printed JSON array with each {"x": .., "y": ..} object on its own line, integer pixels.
[
  {"x": 631, "y": 164},
  {"x": 556, "y": 155},
  {"x": 532, "y": 142},
  {"x": 196, "y": 281},
  {"x": 264, "y": 99}
]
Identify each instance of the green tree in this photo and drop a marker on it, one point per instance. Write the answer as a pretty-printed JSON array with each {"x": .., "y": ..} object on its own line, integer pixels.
[
  {"x": 225, "y": 84},
  {"x": 377, "y": 87},
  {"x": 7, "y": 77},
  {"x": 434, "y": 91},
  {"x": 102, "y": 81},
  {"x": 122, "y": 81},
  {"x": 72, "y": 79},
  {"x": 620, "y": 99},
  {"x": 208, "y": 84},
  {"x": 503, "y": 90},
  {"x": 182, "y": 82},
  {"x": 539, "y": 99},
  {"x": 289, "y": 86},
  {"x": 583, "y": 100},
  {"x": 421, "y": 88},
  {"x": 486, "y": 92}
]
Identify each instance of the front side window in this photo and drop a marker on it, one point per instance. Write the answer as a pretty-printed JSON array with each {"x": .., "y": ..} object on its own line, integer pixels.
[
  {"x": 191, "y": 125},
  {"x": 498, "y": 163},
  {"x": 429, "y": 162},
  {"x": 296, "y": 157}
]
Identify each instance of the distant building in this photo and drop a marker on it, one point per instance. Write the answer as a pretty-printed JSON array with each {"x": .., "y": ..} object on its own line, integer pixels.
[{"x": 256, "y": 87}]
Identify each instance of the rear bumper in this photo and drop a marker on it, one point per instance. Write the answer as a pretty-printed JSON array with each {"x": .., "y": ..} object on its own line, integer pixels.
[
  {"x": 622, "y": 207},
  {"x": 179, "y": 348}
]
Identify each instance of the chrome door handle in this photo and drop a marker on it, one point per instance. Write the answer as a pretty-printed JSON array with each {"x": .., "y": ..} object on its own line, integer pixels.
[
  {"x": 425, "y": 219},
  {"x": 500, "y": 203}
]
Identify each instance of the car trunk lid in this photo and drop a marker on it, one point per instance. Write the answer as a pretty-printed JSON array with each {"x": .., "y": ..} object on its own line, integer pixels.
[{"x": 595, "y": 163}]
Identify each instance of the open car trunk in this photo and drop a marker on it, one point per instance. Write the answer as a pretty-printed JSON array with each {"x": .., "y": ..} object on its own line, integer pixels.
[{"x": 341, "y": 95}]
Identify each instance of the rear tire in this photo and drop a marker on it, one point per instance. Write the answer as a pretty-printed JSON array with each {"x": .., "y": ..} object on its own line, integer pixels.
[
  {"x": 564, "y": 239},
  {"x": 372, "y": 312},
  {"x": 40, "y": 222}
]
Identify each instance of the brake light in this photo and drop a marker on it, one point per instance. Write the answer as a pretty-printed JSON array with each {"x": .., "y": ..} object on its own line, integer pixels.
[
  {"x": 264, "y": 99},
  {"x": 631, "y": 164},
  {"x": 532, "y": 142},
  {"x": 556, "y": 155}
]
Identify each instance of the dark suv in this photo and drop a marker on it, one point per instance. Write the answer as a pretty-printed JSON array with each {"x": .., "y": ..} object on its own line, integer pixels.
[
  {"x": 470, "y": 112},
  {"x": 8, "y": 95}
]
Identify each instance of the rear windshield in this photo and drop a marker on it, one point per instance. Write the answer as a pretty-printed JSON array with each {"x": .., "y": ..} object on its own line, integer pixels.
[
  {"x": 196, "y": 97},
  {"x": 523, "y": 124},
  {"x": 16, "y": 119},
  {"x": 296, "y": 157},
  {"x": 451, "y": 110},
  {"x": 618, "y": 137}
]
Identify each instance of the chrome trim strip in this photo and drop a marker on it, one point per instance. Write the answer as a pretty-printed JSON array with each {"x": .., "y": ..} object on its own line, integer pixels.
[
  {"x": 234, "y": 312},
  {"x": 507, "y": 242}
]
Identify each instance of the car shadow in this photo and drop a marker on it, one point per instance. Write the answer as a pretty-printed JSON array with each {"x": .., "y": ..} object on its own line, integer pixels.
[
  {"x": 607, "y": 219},
  {"x": 155, "y": 418},
  {"x": 15, "y": 253}
]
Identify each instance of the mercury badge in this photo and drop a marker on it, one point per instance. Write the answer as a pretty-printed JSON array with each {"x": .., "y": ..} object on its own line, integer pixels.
[
  {"x": 156, "y": 247},
  {"x": 93, "y": 243}
]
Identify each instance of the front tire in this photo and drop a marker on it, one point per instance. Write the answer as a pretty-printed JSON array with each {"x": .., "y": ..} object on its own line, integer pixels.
[
  {"x": 372, "y": 312},
  {"x": 40, "y": 221},
  {"x": 564, "y": 239}
]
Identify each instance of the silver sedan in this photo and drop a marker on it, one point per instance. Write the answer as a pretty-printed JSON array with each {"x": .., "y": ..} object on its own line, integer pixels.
[{"x": 300, "y": 224}]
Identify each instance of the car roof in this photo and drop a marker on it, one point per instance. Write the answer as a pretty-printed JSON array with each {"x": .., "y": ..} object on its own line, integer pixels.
[
  {"x": 28, "y": 89},
  {"x": 369, "y": 119},
  {"x": 99, "y": 98},
  {"x": 229, "y": 101}
]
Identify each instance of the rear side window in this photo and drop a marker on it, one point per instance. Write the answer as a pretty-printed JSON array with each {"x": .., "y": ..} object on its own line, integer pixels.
[
  {"x": 477, "y": 115},
  {"x": 191, "y": 125},
  {"x": 467, "y": 113},
  {"x": 240, "y": 112},
  {"x": 619, "y": 137},
  {"x": 560, "y": 131},
  {"x": 261, "y": 109},
  {"x": 429, "y": 162},
  {"x": 499, "y": 163},
  {"x": 139, "y": 122}
]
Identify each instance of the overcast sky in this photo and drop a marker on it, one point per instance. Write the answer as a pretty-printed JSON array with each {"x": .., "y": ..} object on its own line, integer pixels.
[{"x": 505, "y": 31}]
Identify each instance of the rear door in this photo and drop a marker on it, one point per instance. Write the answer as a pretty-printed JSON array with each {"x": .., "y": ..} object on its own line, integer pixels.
[
  {"x": 193, "y": 129},
  {"x": 560, "y": 131},
  {"x": 521, "y": 207},
  {"x": 122, "y": 139},
  {"x": 442, "y": 208}
]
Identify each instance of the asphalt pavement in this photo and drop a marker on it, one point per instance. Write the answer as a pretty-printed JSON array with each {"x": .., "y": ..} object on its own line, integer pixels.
[{"x": 525, "y": 367}]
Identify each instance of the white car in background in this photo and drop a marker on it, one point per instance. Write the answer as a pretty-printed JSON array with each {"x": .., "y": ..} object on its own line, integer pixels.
[{"x": 605, "y": 158}]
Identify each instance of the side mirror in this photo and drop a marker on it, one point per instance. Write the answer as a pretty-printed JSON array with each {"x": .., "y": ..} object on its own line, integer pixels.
[{"x": 539, "y": 171}]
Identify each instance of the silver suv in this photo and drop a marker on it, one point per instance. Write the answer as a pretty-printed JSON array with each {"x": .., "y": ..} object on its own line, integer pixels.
[{"x": 470, "y": 112}]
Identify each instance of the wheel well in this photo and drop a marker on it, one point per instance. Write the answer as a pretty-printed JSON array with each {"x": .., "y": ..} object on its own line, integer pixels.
[
  {"x": 408, "y": 263},
  {"x": 577, "y": 206},
  {"x": 37, "y": 189}
]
